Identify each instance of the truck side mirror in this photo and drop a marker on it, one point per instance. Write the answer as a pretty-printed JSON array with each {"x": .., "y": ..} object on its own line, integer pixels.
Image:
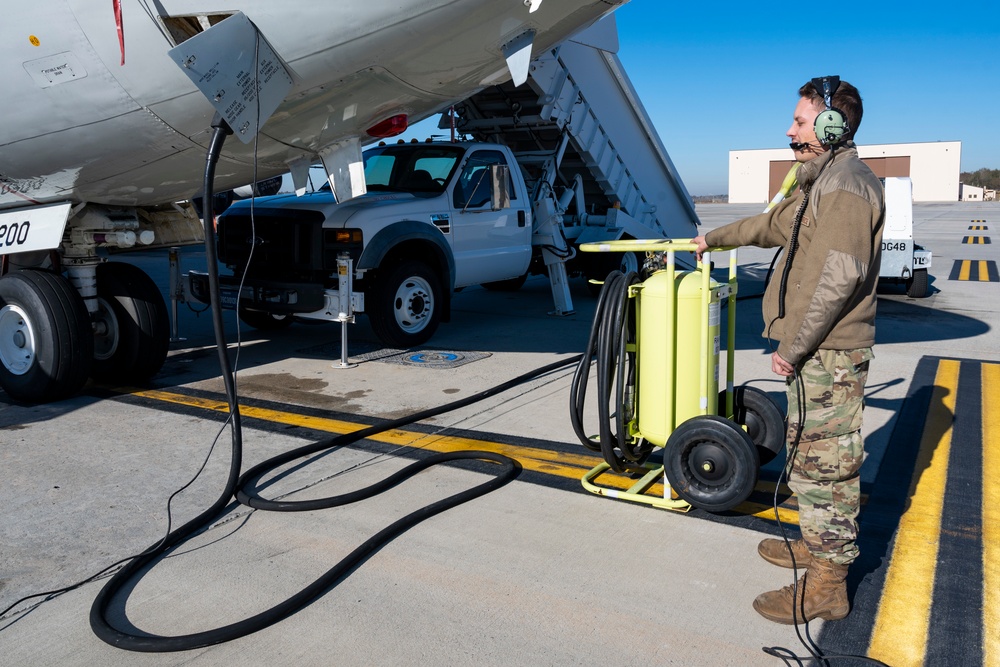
[{"x": 499, "y": 194}]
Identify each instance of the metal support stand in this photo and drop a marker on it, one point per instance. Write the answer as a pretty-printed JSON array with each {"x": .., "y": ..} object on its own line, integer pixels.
[
  {"x": 345, "y": 271},
  {"x": 176, "y": 291}
]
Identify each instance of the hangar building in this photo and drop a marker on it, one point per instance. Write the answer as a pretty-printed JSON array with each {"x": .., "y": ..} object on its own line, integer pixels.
[{"x": 933, "y": 167}]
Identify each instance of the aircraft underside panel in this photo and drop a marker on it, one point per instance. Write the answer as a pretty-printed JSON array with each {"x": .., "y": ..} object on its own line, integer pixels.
[{"x": 95, "y": 110}]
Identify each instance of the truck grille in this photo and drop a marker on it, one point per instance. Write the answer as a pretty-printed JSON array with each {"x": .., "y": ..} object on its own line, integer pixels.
[{"x": 282, "y": 242}]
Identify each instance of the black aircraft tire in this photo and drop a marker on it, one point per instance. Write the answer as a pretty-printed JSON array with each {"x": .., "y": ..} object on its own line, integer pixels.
[
  {"x": 46, "y": 345},
  {"x": 132, "y": 332},
  {"x": 407, "y": 303}
]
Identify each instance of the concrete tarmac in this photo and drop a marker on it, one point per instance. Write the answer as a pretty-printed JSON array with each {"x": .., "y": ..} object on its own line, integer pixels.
[{"x": 539, "y": 572}]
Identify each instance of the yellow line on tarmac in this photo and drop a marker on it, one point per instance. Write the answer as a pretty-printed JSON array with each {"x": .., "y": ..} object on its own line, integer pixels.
[
  {"x": 560, "y": 464},
  {"x": 966, "y": 269},
  {"x": 903, "y": 619},
  {"x": 984, "y": 272},
  {"x": 532, "y": 458},
  {"x": 991, "y": 515}
]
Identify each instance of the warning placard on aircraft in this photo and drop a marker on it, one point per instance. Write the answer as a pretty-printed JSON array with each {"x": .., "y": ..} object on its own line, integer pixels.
[{"x": 237, "y": 70}]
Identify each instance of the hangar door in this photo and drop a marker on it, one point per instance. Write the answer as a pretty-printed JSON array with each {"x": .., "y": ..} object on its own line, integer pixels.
[{"x": 881, "y": 166}]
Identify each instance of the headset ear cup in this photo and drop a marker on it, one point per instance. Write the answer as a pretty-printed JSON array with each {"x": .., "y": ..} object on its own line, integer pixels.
[{"x": 831, "y": 126}]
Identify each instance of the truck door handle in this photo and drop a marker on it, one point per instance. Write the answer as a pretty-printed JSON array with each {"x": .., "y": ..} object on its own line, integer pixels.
[{"x": 520, "y": 218}]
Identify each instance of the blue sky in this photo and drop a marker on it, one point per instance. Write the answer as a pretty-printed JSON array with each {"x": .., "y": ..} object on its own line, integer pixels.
[
  {"x": 722, "y": 76},
  {"x": 719, "y": 76}
]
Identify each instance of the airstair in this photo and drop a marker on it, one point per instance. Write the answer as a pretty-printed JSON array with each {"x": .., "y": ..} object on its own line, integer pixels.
[{"x": 580, "y": 91}]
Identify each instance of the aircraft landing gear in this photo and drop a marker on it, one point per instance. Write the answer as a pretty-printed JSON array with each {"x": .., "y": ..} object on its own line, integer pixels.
[
  {"x": 46, "y": 345},
  {"x": 131, "y": 325}
]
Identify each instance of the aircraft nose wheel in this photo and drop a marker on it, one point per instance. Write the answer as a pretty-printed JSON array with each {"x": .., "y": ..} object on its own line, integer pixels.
[{"x": 711, "y": 463}]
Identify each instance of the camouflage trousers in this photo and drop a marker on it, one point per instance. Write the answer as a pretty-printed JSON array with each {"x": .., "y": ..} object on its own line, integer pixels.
[{"x": 825, "y": 472}]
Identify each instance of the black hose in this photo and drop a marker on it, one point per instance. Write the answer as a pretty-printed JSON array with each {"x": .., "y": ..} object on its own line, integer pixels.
[
  {"x": 611, "y": 332},
  {"x": 235, "y": 485}
]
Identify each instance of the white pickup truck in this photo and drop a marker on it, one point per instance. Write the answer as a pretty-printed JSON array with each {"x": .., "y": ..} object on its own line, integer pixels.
[{"x": 437, "y": 216}]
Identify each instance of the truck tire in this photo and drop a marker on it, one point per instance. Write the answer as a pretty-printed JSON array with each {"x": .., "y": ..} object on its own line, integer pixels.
[
  {"x": 509, "y": 285},
  {"x": 46, "y": 345},
  {"x": 264, "y": 321},
  {"x": 132, "y": 328},
  {"x": 406, "y": 308},
  {"x": 604, "y": 263},
  {"x": 916, "y": 287}
]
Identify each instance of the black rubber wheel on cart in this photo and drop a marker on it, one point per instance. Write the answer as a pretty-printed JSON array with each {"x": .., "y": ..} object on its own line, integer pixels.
[
  {"x": 760, "y": 416},
  {"x": 711, "y": 463}
]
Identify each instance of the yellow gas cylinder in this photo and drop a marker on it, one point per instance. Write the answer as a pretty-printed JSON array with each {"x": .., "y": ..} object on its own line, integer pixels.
[{"x": 657, "y": 344}]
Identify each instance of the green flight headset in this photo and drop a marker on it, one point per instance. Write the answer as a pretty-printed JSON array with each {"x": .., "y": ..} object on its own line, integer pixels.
[{"x": 831, "y": 124}]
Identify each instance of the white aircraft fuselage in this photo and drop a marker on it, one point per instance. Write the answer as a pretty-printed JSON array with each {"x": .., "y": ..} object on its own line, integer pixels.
[{"x": 89, "y": 117}]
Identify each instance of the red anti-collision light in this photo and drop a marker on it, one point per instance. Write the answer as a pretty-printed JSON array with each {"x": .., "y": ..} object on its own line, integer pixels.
[{"x": 389, "y": 127}]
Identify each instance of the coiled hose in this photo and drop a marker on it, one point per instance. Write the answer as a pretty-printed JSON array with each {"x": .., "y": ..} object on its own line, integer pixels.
[{"x": 611, "y": 334}]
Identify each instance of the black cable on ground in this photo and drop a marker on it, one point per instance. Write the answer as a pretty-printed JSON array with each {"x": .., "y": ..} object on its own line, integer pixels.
[
  {"x": 612, "y": 331},
  {"x": 815, "y": 652},
  {"x": 244, "y": 490}
]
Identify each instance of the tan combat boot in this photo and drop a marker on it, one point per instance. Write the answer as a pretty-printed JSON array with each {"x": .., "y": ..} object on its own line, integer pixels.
[
  {"x": 821, "y": 593},
  {"x": 775, "y": 551}
]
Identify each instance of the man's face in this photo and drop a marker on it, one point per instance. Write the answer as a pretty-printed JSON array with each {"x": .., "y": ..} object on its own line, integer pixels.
[{"x": 803, "y": 130}]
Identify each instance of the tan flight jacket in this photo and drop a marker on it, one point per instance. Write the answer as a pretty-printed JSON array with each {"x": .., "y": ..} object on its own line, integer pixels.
[{"x": 830, "y": 296}]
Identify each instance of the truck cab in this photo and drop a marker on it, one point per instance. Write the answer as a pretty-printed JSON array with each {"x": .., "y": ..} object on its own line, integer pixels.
[
  {"x": 436, "y": 217},
  {"x": 490, "y": 238}
]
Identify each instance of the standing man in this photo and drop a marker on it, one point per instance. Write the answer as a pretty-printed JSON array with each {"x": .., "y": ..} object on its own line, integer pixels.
[{"x": 822, "y": 314}]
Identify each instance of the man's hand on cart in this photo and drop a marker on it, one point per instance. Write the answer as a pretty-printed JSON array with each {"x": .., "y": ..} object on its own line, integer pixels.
[{"x": 702, "y": 246}]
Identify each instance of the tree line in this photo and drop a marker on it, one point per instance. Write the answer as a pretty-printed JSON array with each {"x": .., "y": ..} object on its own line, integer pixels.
[{"x": 982, "y": 178}]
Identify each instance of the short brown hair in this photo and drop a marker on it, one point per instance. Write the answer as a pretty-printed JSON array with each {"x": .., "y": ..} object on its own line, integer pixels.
[{"x": 847, "y": 99}]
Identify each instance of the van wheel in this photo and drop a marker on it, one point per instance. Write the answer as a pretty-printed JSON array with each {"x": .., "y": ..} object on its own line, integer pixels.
[
  {"x": 916, "y": 287},
  {"x": 131, "y": 326},
  {"x": 407, "y": 305},
  {"x": 46, "y": 346}
]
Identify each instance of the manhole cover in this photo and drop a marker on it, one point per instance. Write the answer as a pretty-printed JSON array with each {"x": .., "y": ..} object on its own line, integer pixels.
[
  {"x": 367, "y": 351},
  {"x": 435, "y": 358}
]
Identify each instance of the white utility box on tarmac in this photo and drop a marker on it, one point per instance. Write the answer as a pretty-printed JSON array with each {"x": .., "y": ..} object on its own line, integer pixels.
[{"x": 902, "y": 259}]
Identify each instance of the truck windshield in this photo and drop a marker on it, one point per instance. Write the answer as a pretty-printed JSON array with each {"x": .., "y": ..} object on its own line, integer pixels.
[{"x": 419, "y": 168}]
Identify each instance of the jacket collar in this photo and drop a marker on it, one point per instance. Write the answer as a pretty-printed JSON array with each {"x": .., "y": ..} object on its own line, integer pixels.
[{"x": 809, "y": 171}]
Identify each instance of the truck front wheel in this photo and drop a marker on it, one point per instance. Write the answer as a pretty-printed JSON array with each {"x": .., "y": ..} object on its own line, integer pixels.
[{"x": 407, "y": 305}]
